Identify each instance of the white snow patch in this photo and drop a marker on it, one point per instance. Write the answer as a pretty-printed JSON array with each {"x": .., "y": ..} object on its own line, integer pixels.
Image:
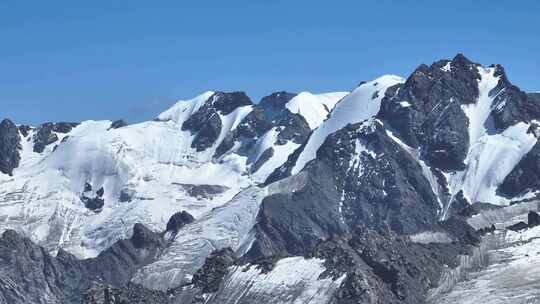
[
  {"x": 430, "y": 237},
  {"x": 293, "y": 280},
  {"x": 447, "y": 67},
  {"x": 314, "y": 108},
  {"x": 404, "y": 104}
]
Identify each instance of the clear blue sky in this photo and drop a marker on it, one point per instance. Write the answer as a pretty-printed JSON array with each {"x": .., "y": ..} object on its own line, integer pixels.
[{"x": 76, "y": 60}]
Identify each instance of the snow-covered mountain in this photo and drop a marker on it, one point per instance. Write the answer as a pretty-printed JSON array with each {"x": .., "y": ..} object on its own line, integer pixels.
[{"x": 377, "y": 195}]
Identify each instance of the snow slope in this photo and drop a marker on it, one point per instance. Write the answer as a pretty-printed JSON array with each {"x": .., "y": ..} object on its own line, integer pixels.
[
  {"x": 314, "y": 108},
  {"x": 153, "y": 161},
  {"x": 279, "y": 157},
  {"x": 226, "y": 226},
  {"x": 361, "y": 104},
  {"x": 491, "y": 155},
  {"x": 293, "y": 280}
]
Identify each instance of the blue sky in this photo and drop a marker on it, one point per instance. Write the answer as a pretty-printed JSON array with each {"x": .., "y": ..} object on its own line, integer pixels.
[{"x": 77, "y": 60}]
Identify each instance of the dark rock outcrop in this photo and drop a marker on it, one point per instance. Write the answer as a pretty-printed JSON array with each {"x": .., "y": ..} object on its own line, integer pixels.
[
  {"x": 117, "y": 264},
  {"x": 93, "y": 200},
  {"x": 64, "y": 127},
  {"x": 486, "y": 230},
  {"x": 44, "y": 136},
  {"x": 10, "y": 144},
  {"x": 533, "y": 219},
  {"x": 265, "y": 156},
  {"x": 434, "y": 120},
  {"x": 145, "y": 238},
  {"x": 269, "y": 113},
  {"x": 203, "y": 191},
  {"x": 25, "y": 130},
  {"x": 210, "y": 276},
  {"x": 179, "y": 220},
  {"x": 511, "y": 105},
  {"x": 525, "y": 176},
  {"x": 118, "y": 124},
  {"x": 391, "y": 193},
  {"x": 206, "y": 123},
  {"x": 31, "y": 275},
  {"x": 518, "y": 226},
  {"x": 132, "y": 294},
  {"x": 126, "y": 195},
  {"x": 274, "y": 103}
]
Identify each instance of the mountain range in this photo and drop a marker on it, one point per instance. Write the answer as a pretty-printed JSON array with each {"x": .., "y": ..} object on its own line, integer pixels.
[{"x": 405, "y": 190}]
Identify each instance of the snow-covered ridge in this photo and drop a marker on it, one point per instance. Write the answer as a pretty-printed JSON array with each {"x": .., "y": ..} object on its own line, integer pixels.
[
  {"x": 146, "y": 163},
  {"x": 183, "y": 109},
  {"x": 361, "y": 104},
  {"x": 314, "y": 108}
]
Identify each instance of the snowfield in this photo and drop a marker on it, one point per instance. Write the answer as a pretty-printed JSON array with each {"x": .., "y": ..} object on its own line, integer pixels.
[
  {"x": 293, "y": 280},
  {"x": 513, "y": 274}
]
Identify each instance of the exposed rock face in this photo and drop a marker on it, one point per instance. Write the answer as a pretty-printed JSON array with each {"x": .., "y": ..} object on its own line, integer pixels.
[
  {"x": 533, "y": 219},
  {"x": 293, "y": 127},
  {"x": 145, "y": 238},
  {"x": 274, "y": 103},
  {"x": 179, "y": 220},
  {"x": 391, "y": 192},
  {"x": 270, "y": 113},
  {"x": 226, "y": 103},
  {"x": 118, "y": 124},
  {"x": 385, "y": 187},
  {"x": 426, "y": 110},
  {"x": 9, "y": 147},
  {"x": 93, "y": 200},
  {"x": 206, "y": 123},
  {"x": 30, "y": 275},
  {"x": 44, "y": 136},
  {"x": 518, "y": 226},
  {"x": 64, "y": 127},
  {"x": 24, "y": 129},
  {"x": 267, "y": 114},
  {"x": 511, "y": 105},
  {"x": 119, "y": 263},
  {"x": 381, "y": 268},
  {"x": 361, "y": 192},
  {"x": 525, "y": 176},
  {"x": 126, "y": 195},
  {"x": 265, "y": 156},
  {"x": 203, "y": 191},
  {"x": 132, "y": 294},
  {"x": 255, "y": 124},
  {"x": 210, "y": 276}
]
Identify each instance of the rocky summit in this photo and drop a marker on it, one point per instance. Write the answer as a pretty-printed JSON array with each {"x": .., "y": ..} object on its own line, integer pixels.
[{"x": 423, "y": 189}]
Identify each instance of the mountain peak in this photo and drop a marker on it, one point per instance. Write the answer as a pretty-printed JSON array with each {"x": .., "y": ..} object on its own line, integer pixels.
[
  {"x": 276, "y": 100},
  {"x": 461, "y": 60}
]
